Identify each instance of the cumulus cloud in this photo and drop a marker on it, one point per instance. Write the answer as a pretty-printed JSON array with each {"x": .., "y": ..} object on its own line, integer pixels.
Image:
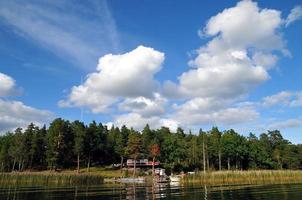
[
  {"x": 203, "y": 105},
  {"x": 239, "y": 56},
  {"x": 212, "y": 111},
  {"x": 295, "y": 14},
  {"x": 129, "y": 75},
  {"x": 265, "y": 60},
  {"x": 135, "y": 120},
  {"x": 230, "y": 74},
  {"x": 236, "y": 60},
  {"x": 144, "y": 106},
  {"x": 138, "y": 122},
  {"x": 15, "y": 114},
  {"x": 259, "y": 32},
  {"x": 7, "y": 85}
]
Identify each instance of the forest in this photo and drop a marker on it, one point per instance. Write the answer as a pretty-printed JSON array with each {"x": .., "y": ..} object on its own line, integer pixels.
[{"x": 74, "y": 145}]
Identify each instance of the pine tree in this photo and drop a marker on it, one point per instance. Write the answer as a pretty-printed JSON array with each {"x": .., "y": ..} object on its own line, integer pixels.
[
  {"x": 79, "y": 132},
  {"x": 134, "y": 147}
]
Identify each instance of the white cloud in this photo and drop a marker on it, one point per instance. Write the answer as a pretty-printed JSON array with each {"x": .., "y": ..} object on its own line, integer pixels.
[
  {"x": 289, "y": 123},
  {"x": 203, "y": 105},
  {"x": 295, "y": 14},
  {"x": 297, "y": 100},
  {"x": 222, "y": 75},
  {"x": 15, "y": 114},
  {"x": 214, "y": 112},
  {"x": 239, "y": 56},
  {"x": 284, "y": 98},
  {"x": 170, "y": 123},
  {"x": 135, "y": 120},
  {"x": 7, "y": 85},
  {"x": 138, "y": 122},
  {"x": 235, "y": 61},
  {"x": 129, "y": 75},
  {"x": 267, "y": 61},
  {"x": 144, "y": 106},
  {"x": 280, "y": 98},
  {"x": 77, "y": 33},
  {"x": 234, "y": 31}
]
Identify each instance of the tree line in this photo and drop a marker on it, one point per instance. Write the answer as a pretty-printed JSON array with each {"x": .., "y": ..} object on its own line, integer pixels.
[{"x": 74, "y": 145}]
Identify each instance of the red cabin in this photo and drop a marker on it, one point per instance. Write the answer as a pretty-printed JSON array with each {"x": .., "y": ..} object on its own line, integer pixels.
[{"x": 141, "y": 163}]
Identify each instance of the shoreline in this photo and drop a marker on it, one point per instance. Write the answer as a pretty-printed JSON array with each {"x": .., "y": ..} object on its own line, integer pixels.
[
  {"x": 69, "y": 177},
  {"x": 245, "y": 177}
]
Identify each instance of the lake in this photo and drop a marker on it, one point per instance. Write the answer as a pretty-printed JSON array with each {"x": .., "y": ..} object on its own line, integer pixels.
[{"x": 136, "y": 192}]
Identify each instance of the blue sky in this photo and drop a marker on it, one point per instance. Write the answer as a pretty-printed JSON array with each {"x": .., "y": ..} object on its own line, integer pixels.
[{"x": 234, "y": 64}]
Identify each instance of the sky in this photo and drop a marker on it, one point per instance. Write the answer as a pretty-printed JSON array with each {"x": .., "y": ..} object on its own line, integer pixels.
[{"x": 190, "y": 64}]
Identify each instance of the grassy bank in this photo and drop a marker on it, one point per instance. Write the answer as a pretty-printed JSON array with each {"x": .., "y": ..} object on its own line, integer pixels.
[
  {"x": 33, "y": 178},
  {"x": 245, "y": 177},
  {"x": 105, "y": 172},
  {"x": 64, "y": 177},
  {"x": 97, "y": 175}
]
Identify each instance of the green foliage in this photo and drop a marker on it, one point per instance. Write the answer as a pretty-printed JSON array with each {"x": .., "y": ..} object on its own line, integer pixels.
[
  {"x": 38, "y": 148},
  {"x": 60, "y": 144},
  {"x": 67, "y": 144},
  {"x": 79, "y": 131},
  {"x": 134, "y": 147}
]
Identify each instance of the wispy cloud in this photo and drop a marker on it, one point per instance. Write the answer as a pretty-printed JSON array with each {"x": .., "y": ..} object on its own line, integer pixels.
[
  {"x": 290, "y": 123},
  {"x": 295, "y": 14},
  {"x": 78, "y": 33},
  {"x": 284, "y": 98}
]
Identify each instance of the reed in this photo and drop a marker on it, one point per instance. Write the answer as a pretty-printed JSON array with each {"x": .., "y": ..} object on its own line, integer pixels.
[
  {"x": 33, "y": 178},
  {"x": 245, "y": 177}
]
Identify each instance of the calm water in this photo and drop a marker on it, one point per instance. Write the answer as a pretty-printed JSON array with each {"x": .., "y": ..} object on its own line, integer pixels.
[{"x": 271, "y": 192}]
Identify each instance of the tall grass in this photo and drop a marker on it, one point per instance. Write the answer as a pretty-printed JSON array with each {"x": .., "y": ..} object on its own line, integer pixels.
[
  {"x": 245, "y": 177},
  {"x": 49, "y": 179},
  {"x": 210, "y": 178}
]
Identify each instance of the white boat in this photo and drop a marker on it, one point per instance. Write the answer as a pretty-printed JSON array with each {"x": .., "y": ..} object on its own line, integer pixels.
[
  {"x": 175, "y": 178},
  {"x": 161, "y": 179},
  {"x": 131, "y": 180}
]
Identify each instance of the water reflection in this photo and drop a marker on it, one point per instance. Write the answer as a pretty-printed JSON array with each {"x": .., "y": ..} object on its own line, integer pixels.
[
  {"x": 155, "y": 191},
  {"x": 205, "y": 193}
]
